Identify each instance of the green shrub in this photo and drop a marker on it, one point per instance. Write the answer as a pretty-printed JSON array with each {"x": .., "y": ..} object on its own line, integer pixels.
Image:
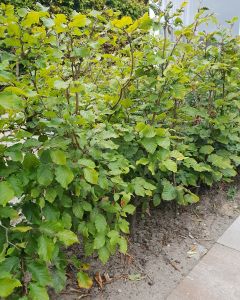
[
  {"x": 97, "y": 115},
  {"x": 132, "y": 8}
]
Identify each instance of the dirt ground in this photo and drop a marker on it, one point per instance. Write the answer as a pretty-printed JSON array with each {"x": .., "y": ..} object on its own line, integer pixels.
[{"x": 167, "y": 246}]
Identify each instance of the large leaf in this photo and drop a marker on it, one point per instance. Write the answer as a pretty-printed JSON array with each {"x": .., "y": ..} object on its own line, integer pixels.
[
  {"x": 170, "y": 165},
  {"x": 64, "y": 176},
  {"x": 149, "y": 144},
  {"x": 58, "y": 157},
  {"x": 45, "y": 248},
  {"x": 169, "y": 191},
  {"x": 103, "y": 254},
  {"x": 6, "y": 193},
  {"x": 37, "y": 292},
  {"x": 40, "y": 273},
  {"x": 99, "y": 241},
  {"x": 7, "y": 286},
  {"x": 100, "y": 222},
  {"x": 91, "y": 175},
  {"x": 44, "y": 175},
  {"x": 9, "y": 101},
  {"x": 67, "y": 237}
]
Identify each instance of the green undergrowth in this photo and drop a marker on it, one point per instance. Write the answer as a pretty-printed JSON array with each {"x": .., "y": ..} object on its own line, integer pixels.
[{"x": 98, "y": 113}]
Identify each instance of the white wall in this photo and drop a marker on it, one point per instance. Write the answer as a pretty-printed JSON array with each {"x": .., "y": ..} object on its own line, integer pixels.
[{"x": 224, "y": 10}]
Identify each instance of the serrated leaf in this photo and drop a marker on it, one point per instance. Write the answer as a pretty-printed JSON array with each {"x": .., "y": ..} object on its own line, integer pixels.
[
  {"x": 122, "y": 242},
  {"x": 100, "y": 223},
  {"x": 90, "y": 175},
  {"x": 44, "y": 175},
  {"x": 103, "y": 254},
  {"x": 99, "y": 241},
  {"x": 67, "y": 237},
  {"x": 191, "y": 198},
  {"x": 40, "y": 273},
  {"x": 6, "y": 193},
  {"x": 84, "y": 281},
  {"x": 7, "y": 286},
  {"x": 45, "y": 248},
  {"x": 10, "y": 101},
  {"x": 206, "y": 149},
  {"x": 79, "y": 20},
  {"x": 149, "y": 144},
  {"x": 78, "y": 210},
  {"x": 124, "y": 225},
  {"x": 170, "y": 165},
  {"x": 64, "y": 176},
  {"x": 87, "y": 163},
  {"x": 130, "y": 209},
  {"x": 58, "y": 157},
  {"x": 142, "y": 161},
  {"x": 169, "y": 191},
  {"x": 38, "y": 292}
]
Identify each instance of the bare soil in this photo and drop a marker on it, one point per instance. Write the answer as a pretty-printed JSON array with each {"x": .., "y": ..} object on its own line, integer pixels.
[{"x": 167, "y": 245}]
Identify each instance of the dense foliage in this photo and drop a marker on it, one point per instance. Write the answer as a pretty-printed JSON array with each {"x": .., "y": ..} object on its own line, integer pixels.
[
  {"x": 97, "y": 116},
  {"x": 133, "y": 8}
]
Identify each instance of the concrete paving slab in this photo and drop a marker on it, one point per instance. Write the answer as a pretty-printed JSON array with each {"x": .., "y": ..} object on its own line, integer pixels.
[
  {"x": 231, "y": 237},
  {"x": 215, "y": 277}
]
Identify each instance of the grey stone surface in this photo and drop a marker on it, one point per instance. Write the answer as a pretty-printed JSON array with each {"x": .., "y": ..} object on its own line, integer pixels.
[
  {"x": 215, "y": 277},
  {"x": 231, "y": 237}
]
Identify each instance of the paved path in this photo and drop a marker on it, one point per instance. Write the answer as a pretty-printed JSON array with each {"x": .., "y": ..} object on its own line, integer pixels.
[{"x": 217, "y": 275}]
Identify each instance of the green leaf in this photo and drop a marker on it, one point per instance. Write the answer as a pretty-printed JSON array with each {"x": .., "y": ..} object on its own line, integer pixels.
[
  {"x": 78, "y": 210},
  {"x": 58, "y": 157},
  {"x": 123, "y": 22},
  {"x": 87, "y": 163},
  {"x": 45, "y": 248},
  {"x": 64, "y": 176},
  {"x": 99, "y": 241},
  {"x": 7, "y": 286},
  {"x": 67, "y": 237},
  {"x": 37, "y": 292},
  {"x": 220, "y": 161},
  {"x": 100, "y": 223},
  {"x": 44, "y": 175},
  {"x": 9, "y": 101},
  {"x": 191, "y": 198},
  {"x": 163, "y": 142},
  {"x": 21, "y": 228},
  {"x": 59, "y": 279},
  {"x": 170, "y": 165},
  {"x": 123, "y": 245},
  {"x": 90, "y": 175},
  {"x": 40, "y": 273},
  {"x": 169, "y": 191},
  {"x": 123, "y": 225},
  {"x": 142, "y": 161},
  {"x": 86, "y": 206},
  {"x": 51, "y": 194},
  {"x": 84, "y": 281},
  {"x": 103, "y": 254},
  {"x": 130, "y": 209},
  {"x": 156, "y": 200},
  {"x": 206, "y": 149},
  {"x": 6, "y": 193},
  {"x": 79, "y": 20},
  {"x": 149, "y": 144},
  {"x": 81, "y": 52}
]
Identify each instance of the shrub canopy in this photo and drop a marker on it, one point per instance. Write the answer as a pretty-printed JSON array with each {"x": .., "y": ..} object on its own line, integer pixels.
[{"x": 97, "y": 115}]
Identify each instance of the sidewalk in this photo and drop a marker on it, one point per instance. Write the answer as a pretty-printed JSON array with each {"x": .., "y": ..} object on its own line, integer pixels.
[{"x": 217, "y": 275}]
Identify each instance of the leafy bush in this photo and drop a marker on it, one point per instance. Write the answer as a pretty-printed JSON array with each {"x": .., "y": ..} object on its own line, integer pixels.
[
  {"x": 98, "y": 116},
  {"x": 133, "y": 8}
]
